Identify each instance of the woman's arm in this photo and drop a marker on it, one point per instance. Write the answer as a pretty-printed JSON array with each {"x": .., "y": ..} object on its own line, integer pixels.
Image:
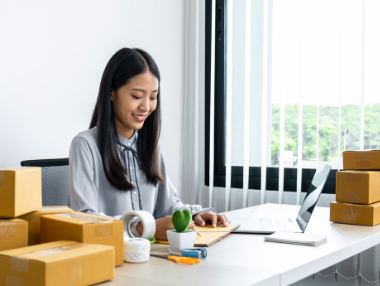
[
  {"x": 83, "y": 192},
  {"x": 167, "y": 197},
  {"x": 168, "y": 201}
]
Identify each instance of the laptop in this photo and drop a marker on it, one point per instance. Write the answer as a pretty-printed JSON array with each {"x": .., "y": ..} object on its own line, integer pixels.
[{"x": 295, "y": 225}]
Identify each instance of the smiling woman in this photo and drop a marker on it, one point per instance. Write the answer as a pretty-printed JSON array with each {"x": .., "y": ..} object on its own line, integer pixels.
[
  {"x": 117, "y": 166},
  {"x": 127, "y": 79}
]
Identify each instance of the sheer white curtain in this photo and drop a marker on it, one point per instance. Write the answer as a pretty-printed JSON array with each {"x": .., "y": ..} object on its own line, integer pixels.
[
  {"x": 192, "y": 146},
  {"x": 302, "y": 86},
  {"x": 309, "y": 72}
]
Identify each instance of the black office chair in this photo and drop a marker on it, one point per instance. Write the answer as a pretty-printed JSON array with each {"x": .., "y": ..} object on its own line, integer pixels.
[{"x": 55, "y": 180}]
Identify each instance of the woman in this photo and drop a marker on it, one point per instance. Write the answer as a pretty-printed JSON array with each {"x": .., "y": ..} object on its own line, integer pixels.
[{"x": 117, "y": 166}]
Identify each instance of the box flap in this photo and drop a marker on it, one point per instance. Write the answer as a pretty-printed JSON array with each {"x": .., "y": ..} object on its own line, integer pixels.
[
  {"x": 49, "y": 209},
  {"x": 13, "y": 220},
  {"x": 53, "y": 251},
  {"x": 365, "y": 150},
  {"x": 39, "y": 247},
  {"x": 359, "y": 171},
  {"x": 78, "y": 218},
  {"x": 374, "y": 205},
  {"x": 72, "y": 251},
  {"x": 96, "y": 216}
]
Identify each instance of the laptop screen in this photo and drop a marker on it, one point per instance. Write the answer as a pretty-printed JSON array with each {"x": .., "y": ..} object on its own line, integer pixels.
[{"x": 312, "y": 195}]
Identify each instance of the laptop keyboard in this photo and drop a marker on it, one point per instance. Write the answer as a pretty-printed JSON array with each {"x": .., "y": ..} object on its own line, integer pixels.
[{"x": 278, "y": 224}]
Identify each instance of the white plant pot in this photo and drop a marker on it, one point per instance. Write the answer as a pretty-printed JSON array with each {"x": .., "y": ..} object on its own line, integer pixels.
[{"x": 181, "y": 239}]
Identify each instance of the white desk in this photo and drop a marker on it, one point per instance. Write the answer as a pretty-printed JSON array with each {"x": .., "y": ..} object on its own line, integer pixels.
[
  {"x": 160, "y": 272},
  {"x": 295, "y": 262},
  {"x": 245, "y": 259}
]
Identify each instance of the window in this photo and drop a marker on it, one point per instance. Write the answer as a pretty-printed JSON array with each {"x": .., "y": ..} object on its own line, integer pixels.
[{"x": 317, "y": 64}]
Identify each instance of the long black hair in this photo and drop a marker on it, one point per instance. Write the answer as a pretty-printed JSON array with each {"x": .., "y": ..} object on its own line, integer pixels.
[{"x": 125, "y": 64}]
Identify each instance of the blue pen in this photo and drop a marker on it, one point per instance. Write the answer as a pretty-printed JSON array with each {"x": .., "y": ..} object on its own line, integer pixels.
[{"x": 195, "y": 252}]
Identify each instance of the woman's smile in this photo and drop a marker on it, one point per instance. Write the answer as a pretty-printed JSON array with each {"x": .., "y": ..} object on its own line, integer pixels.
[{"x": 139, "y": 118}]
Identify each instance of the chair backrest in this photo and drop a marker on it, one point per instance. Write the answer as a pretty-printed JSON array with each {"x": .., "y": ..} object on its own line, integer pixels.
[{"x": 55, "y": 180}]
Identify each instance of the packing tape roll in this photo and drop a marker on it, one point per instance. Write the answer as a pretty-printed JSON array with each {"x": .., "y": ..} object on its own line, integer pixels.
[
  {"x": 148, "y": 221},
  {"x": 136, "y": 250}
]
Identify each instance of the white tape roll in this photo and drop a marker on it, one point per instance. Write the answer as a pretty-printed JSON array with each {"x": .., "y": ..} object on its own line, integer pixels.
[
  {"x": 136, "y": 250},
  {"x": 147, "y": 220}
]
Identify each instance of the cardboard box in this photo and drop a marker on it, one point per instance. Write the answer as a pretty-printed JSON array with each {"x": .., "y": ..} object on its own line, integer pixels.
[
  {"x": 84, "y": 228},
  {"x": 361, "y": 160},
  {"x": 360, "y": 187},
  {"x": 33, "y": 220},
  {"x": 20, "y": 191},
  {"x": 13, "y": 233},
  {"x": 58, "y": 263},
  {"x": 355, "y": 213}
]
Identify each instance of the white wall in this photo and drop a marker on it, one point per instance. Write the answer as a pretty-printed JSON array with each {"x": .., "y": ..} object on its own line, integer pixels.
[{"x": 52, "y": 55}]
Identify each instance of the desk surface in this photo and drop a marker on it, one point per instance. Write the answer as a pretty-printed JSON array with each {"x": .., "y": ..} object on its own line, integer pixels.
[{"x": 245, "y": 259}]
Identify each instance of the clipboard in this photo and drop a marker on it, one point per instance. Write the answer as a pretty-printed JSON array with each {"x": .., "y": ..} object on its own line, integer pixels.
[{"x": 209, "y": 235}]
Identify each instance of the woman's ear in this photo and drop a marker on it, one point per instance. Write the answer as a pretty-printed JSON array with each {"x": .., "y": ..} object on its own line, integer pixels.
[{"x": 112, "y": 95}]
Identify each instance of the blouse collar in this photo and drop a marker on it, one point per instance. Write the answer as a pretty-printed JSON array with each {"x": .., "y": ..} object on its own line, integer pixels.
[{"x": 128, "y": 142}]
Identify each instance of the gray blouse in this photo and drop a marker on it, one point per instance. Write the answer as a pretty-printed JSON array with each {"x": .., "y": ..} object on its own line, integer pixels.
[{"x": 91, "y": 192}]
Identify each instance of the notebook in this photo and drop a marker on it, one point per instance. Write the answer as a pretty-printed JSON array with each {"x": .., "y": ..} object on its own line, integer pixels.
[
  {"x": 297, "y": 238},
  {"x": 208, "y": 235}
]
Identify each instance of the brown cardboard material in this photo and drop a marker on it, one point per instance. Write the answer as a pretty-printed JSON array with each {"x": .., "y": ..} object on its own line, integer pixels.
[
  {"x": 355, "y": 213},
  {"x": 34, "y": 218},
  {"x": 86, "y": 228},
  {"x": 209, "y": 235},
  {"x": 361, "y": 160},
  {"x": 57, "y": 263},
  {"x": 20, "y": 191},
  {"x": 13, "y": 233},
  {"x": 360, "y": 187}
]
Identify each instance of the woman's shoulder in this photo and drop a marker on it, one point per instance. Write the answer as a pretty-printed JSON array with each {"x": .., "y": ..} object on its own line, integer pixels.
[{"x": 87, "y": 137}]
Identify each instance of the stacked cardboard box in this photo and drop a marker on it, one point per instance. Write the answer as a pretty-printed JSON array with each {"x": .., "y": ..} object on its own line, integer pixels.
[
  {"x": 86, "y": 228},
  {"x": 20, "y": 193},
  {"x": 34, "y": 221},
  {"x": 358, "y": 189},
  {"x": 13, "y": 233},
  {"x": 57, "y": 263},
  {"x": 60, "y": 262}
]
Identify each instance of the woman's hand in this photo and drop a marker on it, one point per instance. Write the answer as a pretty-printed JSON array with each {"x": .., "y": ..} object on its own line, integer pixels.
[
  {"x": 216, "y": 219},
  {"x": 162, "y": 225}
]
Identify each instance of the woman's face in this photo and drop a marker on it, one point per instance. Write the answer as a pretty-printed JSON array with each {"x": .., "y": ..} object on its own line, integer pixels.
[{"x": 134, "y": 102}]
